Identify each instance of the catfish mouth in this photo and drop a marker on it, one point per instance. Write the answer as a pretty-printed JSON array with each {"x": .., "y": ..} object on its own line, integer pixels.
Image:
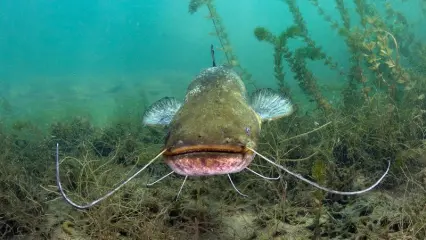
[
  {"x": 206, "y": 160},
  {"x": 206, "y": 148}
]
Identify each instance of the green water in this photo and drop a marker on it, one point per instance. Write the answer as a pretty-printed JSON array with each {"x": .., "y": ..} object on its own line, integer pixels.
[{"x": 60, "y": 59}]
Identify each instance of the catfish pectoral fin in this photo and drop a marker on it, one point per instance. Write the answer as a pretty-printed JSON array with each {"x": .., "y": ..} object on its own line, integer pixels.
[
  {"x": 161, "y": 112},
  {"x": 270, "y": 105}
]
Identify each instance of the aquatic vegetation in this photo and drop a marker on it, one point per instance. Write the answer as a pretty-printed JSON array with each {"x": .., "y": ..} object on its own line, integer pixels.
[
  {"x": 222, "y": 35},
  {"x": 280, "y": 50},
  {"x": 371, "y": 51},
  {"x": 297, "y": 62},
  {"x": 22, "y": 205},
  {"x": 300, "y": 22},
  {"x": 344, "y": 155}
]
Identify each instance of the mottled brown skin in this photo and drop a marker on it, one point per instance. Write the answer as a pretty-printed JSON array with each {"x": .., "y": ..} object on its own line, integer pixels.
[{"x": 210, "y": 132}]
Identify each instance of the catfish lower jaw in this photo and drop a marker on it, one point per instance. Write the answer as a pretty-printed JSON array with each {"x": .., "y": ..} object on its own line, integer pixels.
[{"x": 208, "y": 160}]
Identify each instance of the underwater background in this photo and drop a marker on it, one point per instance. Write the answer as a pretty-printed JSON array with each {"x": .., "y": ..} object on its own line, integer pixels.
[
  {"x": 81, "y": 73},
  {"x": 61, "y": 59}
]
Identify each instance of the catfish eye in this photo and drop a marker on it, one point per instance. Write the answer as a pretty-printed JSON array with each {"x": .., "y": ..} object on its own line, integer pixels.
[{"x": 248, "y": 131}]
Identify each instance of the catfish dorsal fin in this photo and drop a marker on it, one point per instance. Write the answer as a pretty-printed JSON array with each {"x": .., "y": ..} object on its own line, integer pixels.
[{"x": 212, "y": 54}]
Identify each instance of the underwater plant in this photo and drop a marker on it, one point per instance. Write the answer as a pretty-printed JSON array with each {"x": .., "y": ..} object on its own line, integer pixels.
[
  {"x": 296, "y": 60},
  {"x": 222, "y": 35},
  {"x": 300, "y": 22},
  {"x": 369, "y": 45},
  {"x": 280, "y": 49}
]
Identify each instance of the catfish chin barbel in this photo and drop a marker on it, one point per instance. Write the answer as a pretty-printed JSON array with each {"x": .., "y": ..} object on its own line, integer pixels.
[{"x": 215, "y": 131}]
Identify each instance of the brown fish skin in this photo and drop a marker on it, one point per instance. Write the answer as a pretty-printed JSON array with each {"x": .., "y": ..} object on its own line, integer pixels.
[{"x": 210, "y": 132}]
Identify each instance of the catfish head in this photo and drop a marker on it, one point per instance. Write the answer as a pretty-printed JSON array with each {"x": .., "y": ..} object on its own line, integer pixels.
[{"x": 212, "y": 132}]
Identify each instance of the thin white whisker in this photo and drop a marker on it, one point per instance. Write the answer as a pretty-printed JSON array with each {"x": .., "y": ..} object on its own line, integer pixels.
[
  {"x": 319, "y": 186},
  {"x": 181, "y": 187},
  {"x": 58, "y": 182},
  {"x": 163, "y": 177},
  {"x": 233, "y": 185},
  {"x": 264, "y": 177}
]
